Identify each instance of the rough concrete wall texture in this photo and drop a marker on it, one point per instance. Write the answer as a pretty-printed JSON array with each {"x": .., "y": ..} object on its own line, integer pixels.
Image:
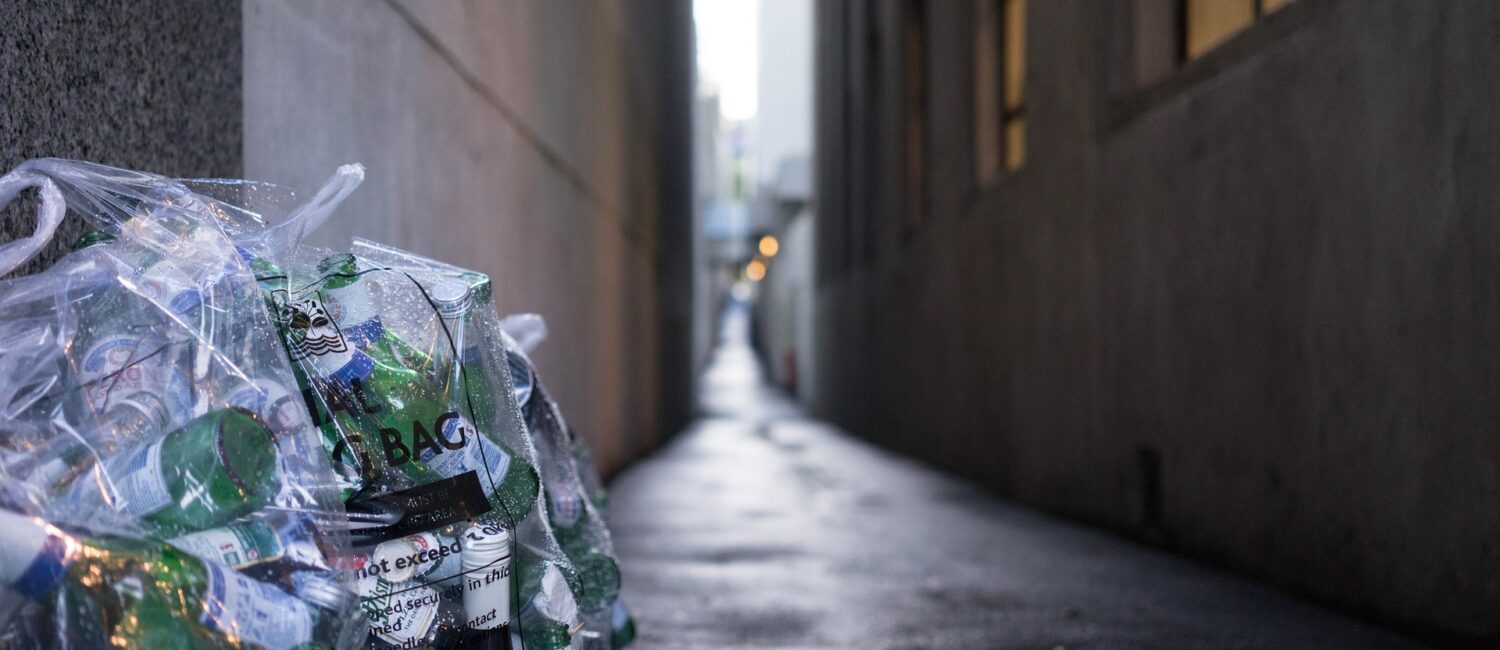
[
  {"x": 1251, "y": 312},
  {"x": 521, "y": 139},
  {"x": 155, "y": 88}
]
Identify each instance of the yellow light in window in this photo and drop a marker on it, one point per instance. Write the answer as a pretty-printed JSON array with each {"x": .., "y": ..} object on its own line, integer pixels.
[
  {"x": 1015, "y": 143},
  {"x": 755, "y": 270},
  {"x": 1015, "y": 54},
  {"x": 1211, "y": 22},
  {"x": 769, "y": 246}
]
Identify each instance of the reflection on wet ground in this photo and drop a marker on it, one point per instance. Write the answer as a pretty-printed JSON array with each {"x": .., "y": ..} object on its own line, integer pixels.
[{"x": 761, "y": 528}]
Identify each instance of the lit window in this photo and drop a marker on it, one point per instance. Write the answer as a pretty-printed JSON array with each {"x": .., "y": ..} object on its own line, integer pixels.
[
  {"x": 1208, "y": 23},
  {"x": 999, "y": 88},
  {"x": 1013, "y": 43}
]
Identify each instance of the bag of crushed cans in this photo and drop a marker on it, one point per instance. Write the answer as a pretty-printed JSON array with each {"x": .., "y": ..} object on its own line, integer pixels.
[
  {"x": 575, "y": 496},
  {"x": 405, "y": 372},
  {"x": 217, "y": 436},
  {"x": 160, "y": 483}
]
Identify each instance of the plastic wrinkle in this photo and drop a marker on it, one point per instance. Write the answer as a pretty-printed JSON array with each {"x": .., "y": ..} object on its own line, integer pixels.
[
  {"x": 240, "y": 440},
  {"x": 527, "y": 330},
  {"x": 49, "y": 216},
  {"x": 308, "y": 217},
  {"x": 153, "y": 418}
]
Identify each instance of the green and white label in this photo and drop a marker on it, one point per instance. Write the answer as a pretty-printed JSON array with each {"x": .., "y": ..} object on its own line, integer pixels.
[
  {"x": 399, "y": 615},
  {"x": 236, "y": 546}
]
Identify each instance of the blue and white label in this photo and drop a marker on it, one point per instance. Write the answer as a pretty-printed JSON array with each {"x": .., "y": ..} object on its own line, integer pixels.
[
  {"x": 125, "y": 367},
  {"x": 254, "y": 613},
  {"x": 175, "y": 287},
  {"x": 32, "y": 559},
  {"x": 139, "y": 485},
  {"x": 478, "y": 454},
  {"x": 356, "y": 314},
  {"x": 279, "y": 409},
  {"x": 567, "y": 506},
  {"x": 619, "y": 616}
]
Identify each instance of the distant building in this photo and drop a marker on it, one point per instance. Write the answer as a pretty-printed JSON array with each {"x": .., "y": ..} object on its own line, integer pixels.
[
  {"x": 783, "y": 201},
  {"x": 1219, "y": 273}
]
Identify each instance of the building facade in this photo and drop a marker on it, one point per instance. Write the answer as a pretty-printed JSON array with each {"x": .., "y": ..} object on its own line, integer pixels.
[
  {"x": 1218, "y": 274},
  {"x": 784, "y": 120}
]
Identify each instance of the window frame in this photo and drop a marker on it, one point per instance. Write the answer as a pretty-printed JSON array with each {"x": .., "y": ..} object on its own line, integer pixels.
[
  {"x": 993, "y": 112},
  {"x": 915, "y": 96},
  {"x": 1129, "y": 95},
  {"x": 1259, "y": 10},
  {"x": 1008, "y": 113}
]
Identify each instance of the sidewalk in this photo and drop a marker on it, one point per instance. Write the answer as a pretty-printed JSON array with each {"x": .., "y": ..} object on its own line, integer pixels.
[{"x": 760, "y": 528}]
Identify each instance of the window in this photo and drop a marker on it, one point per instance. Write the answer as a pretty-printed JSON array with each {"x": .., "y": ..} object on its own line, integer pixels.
[
  {"x": 999, "y": 88},
  {"x": 1013, "y": 43},
  {"x": 1154, "y": 46},
  {"x": 1208, "y": 23}
]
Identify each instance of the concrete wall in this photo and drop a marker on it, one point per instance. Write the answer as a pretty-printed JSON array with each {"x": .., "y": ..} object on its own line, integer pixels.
[
  {"x": 542, "y": 142},
  {"x": 1249, "y": 311},
  {"x": 153, "y": 87}
]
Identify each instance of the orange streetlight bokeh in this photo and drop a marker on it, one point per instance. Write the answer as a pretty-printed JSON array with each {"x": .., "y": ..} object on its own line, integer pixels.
[{"x": 769, "y": 246}]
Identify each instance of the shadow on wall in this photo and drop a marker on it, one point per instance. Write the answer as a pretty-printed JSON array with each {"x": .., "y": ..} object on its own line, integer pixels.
[{"x": 542, "y": 143}]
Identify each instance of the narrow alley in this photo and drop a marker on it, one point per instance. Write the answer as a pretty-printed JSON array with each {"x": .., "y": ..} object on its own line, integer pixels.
[
  {"x": 761, "y": 528},
  {"x": 976, "y": 324}
]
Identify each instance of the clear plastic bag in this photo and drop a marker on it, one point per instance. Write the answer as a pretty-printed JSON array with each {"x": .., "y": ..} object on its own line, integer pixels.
[
  {"x": 575, "y": 496},
  {"x": 402, "y": 361},
  {"x": 160, "y": 481}
]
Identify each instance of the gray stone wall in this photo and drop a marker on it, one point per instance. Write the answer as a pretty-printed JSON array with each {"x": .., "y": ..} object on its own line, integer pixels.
[
  {"x": 152, "y": 86},
  {"x": 1249, "y": 312}
]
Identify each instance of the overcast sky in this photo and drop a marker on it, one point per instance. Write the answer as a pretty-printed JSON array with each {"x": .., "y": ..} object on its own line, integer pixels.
[{"x": 727, "y": 53}]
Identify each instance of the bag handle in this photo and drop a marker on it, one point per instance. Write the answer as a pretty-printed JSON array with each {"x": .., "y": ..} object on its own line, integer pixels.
[
  {"x": 308, "y": 216},
  {"x": 48, "y": 217}
]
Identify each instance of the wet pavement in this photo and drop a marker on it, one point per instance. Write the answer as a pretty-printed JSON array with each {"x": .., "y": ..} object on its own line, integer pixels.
[{"x": 760, "y": 528}]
